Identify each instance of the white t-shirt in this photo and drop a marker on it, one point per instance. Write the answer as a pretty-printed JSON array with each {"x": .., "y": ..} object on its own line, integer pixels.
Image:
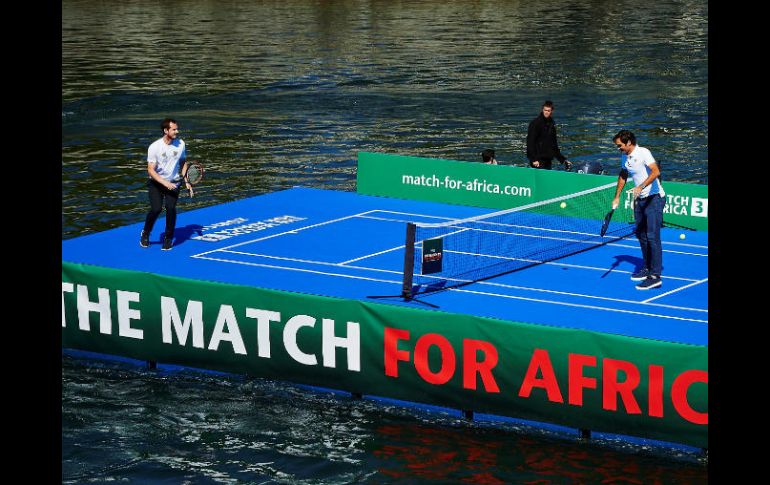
[
  {"x": 637, "y": 163},
  {"x": 166, "y": 157}
]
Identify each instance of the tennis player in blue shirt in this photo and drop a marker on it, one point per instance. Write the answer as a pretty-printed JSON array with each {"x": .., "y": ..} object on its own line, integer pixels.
[{"x": 649, "y": 200}]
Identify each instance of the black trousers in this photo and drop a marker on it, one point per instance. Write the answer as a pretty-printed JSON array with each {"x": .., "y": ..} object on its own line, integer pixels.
[{"x": 158, "y": 195}]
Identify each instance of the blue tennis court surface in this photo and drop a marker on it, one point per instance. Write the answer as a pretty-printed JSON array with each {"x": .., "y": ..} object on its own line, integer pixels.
[{"x": 346, "y": 245}]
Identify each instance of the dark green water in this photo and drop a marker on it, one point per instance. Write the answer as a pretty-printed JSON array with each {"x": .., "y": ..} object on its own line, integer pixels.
[
  {"x": 272, "y": 94},
  {"x": 122, "y": 422}
]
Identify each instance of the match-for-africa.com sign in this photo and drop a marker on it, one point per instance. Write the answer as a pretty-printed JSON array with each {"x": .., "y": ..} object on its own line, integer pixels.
[
  {"x": 571, "y": 377},
  {"x": 505, "y": 186}
]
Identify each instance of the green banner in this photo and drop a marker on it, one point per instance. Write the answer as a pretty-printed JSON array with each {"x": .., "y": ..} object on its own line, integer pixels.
[
  {"x": 570, "y": 377},
  {"x": 505, "y": 186}
]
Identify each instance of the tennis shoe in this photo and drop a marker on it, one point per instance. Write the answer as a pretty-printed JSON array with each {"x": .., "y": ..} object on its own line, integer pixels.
[
  {"x": 649, "y": 283},
  {"x": 167, "y": 242},
  {"x": 144, "y": 240},
  {"x": 640, "y": 275}
]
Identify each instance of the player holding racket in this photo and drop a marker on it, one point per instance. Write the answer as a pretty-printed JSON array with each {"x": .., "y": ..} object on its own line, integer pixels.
[
  {"x": 192, "y": 174},
  {"x": 649, "y": 200},
  {"x": 166, "y": 164}
]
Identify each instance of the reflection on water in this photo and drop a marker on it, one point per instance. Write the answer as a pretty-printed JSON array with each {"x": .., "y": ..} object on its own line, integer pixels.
[
  {"x": 275, "y": 94},
  {"x": 479, "y": 454},
  {"x": 120, "y": 422}
]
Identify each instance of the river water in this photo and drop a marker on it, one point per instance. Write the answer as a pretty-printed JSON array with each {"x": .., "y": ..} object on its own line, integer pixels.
[{"x": 274, "y": 94}]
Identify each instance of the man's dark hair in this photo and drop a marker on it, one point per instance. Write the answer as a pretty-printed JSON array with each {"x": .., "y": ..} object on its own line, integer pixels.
[
  {"x": 625, "y": 136},
  {"x": 166, "y": 123},
  {"x": 548, "y": 104},
  {"x": 487, "y": 155}
]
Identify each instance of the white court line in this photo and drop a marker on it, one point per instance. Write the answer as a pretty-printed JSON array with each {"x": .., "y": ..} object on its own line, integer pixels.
[
  {"x": 367, "y": 256},
  {"x": 462, "y": 290},
  {"x": 463, "y": 229},
  {"x": 535, "y": 228},
  {"x": 323, "y": 263},
  {"x": 292, "y": 231},
  {"x": 674, "y": 291},
  {"x": 553, "y": 263},
  {"x": 413, "y": 215},
  {"x": 370, "y": 255},
  {"x": 581, "y": 306},
  {"x": 522, "y": 208},
  {"x": 301, "y": 270},
  {"x": 548, "y": 263},
  {"x": 364, "y": 215},
  {"x": 485, "y": 283},
  {"x": 284, "y": 258},
  {"x": 672, "y": 243},
  {"x": 580, "y": 295},
  {"x": 664, "y": 250}
]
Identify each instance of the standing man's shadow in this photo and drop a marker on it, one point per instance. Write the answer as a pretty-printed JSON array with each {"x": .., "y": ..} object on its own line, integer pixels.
[
  {"x": 637, "y": 263},
  {"x": 182, "y": 234}
]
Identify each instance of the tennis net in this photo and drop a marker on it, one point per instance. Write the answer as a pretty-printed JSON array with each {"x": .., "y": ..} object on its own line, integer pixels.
[{"x": 462, "y": 251}]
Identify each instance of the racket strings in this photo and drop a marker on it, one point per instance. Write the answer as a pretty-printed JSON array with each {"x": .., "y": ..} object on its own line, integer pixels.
[{"x": 194, "y": 173}]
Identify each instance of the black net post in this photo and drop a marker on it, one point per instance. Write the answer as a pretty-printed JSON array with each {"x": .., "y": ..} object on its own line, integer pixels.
[{"x": 406, "y": 289}]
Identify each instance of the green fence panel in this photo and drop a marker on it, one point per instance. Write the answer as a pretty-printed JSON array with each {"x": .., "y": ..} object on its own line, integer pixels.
[
  {"x": 571, "y": 377},
  {"x": 504, "y": 186}
]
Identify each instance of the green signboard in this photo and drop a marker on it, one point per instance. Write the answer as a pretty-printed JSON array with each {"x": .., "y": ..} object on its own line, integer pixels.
[
  {"x": 566, "y": 376},
  {"x": 503, "y": 186}
]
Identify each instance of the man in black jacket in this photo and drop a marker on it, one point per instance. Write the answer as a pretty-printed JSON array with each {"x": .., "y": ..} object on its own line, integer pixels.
[{"x": 542, "y": 146}]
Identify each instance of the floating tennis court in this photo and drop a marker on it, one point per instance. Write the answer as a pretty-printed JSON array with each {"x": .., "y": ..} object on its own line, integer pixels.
[
  {"x": 409, "y": 289},
  {"x": 351, "y": 246}
]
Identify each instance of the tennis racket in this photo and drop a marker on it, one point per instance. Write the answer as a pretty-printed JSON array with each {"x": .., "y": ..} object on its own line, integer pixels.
[
  {"x": 606, "y": 222},
  {"x": 194, "y": 172},
  {"x": 194, "y": 175},
  {"x": 608, "y": 218}
]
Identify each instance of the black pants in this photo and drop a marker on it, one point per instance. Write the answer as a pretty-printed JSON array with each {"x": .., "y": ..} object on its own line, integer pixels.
[{"x": 159, "y": 194}]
